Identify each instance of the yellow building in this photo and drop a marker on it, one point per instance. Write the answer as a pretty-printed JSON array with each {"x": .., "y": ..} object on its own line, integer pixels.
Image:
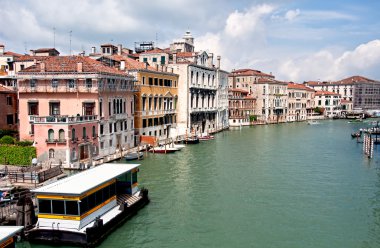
[{"x": 155, "y": 99}]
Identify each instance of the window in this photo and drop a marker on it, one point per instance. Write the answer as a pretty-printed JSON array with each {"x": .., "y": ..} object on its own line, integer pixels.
[
  {"x": 54, "y": 108},
  {"x": 33, "y": 83},
  {"x": 50, "y": 134},
  {"x": 84, "y": 132},
  {"x": 54, "y": 83},
  {"x": 33, "y": 108},
  {"x": 72, "y": 208},
  {"x": 51, "y": 153},
  {"x": 58, "y": 206},
  {"x": 89, "y": 83},
  {"x": 154, "y": 60},
  {"x": 101, "y": 108},
  {"x": 10, "y": 119},
  {"x": 73, "y": 134},
  {"x": 143, "y": 80},
  {"x": 88, "y": 108},
  {"x": 101, "y": 129},
  {"x": 44, "y": 206},
  {"x": 93, "y": 131},
  {"x": 9, "y": 100},
  {"x": 61, "y": 135},
  {"x": 71, "y": 83},
  {"x": 162, "y": 60},
  {"x": 110, "y": 127},
  {"x": 145, "y": 60}
]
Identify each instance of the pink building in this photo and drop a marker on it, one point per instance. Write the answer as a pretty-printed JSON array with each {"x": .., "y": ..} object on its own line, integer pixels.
[
  {"x": 75, "y": 109},
  {"x": 8, "y": 106}
]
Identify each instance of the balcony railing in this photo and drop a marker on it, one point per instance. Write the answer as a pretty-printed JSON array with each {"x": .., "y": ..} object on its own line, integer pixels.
[
  {"x": 64, "y": 119},
  {"x": 54, "y": 141}
]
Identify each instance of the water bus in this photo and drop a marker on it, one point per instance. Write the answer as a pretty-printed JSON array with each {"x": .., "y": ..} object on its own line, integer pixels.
[
  {"x": 8, "y": 235},
  {"x": 82, "y": 209}
]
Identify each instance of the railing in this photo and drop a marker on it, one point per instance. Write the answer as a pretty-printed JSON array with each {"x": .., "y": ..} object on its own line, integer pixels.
[
  {"x": 54, "y": 141},
  {"x": 65, "y": 119}
]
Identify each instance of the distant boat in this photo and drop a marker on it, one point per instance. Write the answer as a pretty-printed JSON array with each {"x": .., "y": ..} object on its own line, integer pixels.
[
  {"x": 163, "y": 149},
  {"x": 191, "y": 140},
  {"x": 356, "y": 135},
  {"x": 313, "y": 122},
  {"x": 206, "y": 137},
  {"x": 356, "y": 120},
  {"x": 134, "y": 156}
]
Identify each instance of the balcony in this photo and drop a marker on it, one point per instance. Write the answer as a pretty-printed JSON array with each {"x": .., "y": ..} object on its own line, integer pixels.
[
  {"x": 56, "y": 141},
  {"x": 62, "y": 119}
]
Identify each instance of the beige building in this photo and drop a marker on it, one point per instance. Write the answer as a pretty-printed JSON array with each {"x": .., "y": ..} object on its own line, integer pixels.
[
  {"x": 272, "y": 100},
  {"x": 330, "y": 102},
  {"x": 300, "y": 102}
]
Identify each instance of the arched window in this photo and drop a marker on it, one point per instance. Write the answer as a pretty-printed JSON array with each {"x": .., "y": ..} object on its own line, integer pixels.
[
  {"x": 51, "y": 134},
  {"x": 61, "y": 134},
  {"x": 84, "y": 132},
  {"x": 93, "y": 131},
  {"x": 73, "y": 134},
  {"x": 51, "y": 153},
  {"x": 73, "y": 154}
]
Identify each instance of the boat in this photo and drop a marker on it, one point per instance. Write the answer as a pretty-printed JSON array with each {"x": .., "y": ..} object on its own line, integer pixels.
[
  {"x": 206, "y": 137},
  {"x": 177, "y": 146},
  {"x": 163, "y": 149},
  {"x": 313, "y": 122},
  {"x": 356, "y": 120},
  {"x": 84, "y": 208},
  {"x": 9, "y": 235},
  {"x": 356, "y": 135},
  {"x": 134, "y": 156},
  {"x": 191, "y": 140}
]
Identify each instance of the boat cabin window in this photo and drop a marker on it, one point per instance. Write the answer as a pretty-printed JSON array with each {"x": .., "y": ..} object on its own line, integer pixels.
[
  {"x": 62, "y": 207},
  {"x": 125, "y": 182},
  {"x": 97, "y": 198}
]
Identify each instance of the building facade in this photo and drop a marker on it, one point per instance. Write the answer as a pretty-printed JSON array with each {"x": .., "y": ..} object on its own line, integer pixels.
[
  {"x": 330, "y": 102},
  {"x": 75, "y": 109},
  {"x": 300, "y": 102},
  {"x": 9, "y": 109},
  {"x": 271, "y": 100},
  {"x": 241, "y": 108}
]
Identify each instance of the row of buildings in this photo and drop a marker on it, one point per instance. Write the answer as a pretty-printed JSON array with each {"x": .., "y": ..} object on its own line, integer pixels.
[{"x": 77, "y": 109}]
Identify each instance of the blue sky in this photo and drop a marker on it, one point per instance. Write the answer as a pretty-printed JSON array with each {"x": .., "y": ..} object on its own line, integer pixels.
[{"x": 296, "y": 40}]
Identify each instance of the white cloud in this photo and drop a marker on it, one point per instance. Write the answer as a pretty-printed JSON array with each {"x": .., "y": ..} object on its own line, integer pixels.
[
  {"x": 241, "y": 23},
  {"x": 292, "y": 14},
  {"x": 324, "y": 65}
]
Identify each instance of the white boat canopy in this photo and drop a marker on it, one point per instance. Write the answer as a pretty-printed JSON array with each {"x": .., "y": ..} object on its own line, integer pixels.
[{"x": 86, "y": 180}]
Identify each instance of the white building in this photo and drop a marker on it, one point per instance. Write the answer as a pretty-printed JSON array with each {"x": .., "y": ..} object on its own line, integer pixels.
[
  {"x": 300, "y": 102},
  {"x": 330, "y": 102}
]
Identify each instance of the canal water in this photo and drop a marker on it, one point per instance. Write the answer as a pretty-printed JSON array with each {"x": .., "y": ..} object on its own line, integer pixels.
[{"x": 288, "y": 185}]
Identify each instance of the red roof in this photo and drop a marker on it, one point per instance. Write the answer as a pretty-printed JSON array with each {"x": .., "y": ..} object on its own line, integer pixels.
[
  {"x": 44, "y": 50},
  {"x": 185, "y": 54},
  {"x": 23, "y": 58},
  {"x": 238, "y": 90},
  {"x": 345, "y": 101},
  {"x": 156, "y": 50},
  {"x": 298, "y": 86},
  {"x": 269, "y": 81},
  {"x": 8, "y": 53},
  {"x": 346, "y": 81},
  {"x": 6, "y": 90},
  {"x": 67, "y": 64},
  {"x": 324, "y": 93},
  {"x": 249, "y": 72}
]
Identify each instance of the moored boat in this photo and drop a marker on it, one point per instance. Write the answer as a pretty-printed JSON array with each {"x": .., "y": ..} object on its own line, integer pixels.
[
  {"x": 134, "y": 156},
  {"x": 191, "y": 140},
  {"x": 82, "y": 209},
  {"x": 163, "y": 149},
  {"x": 313, "y": 122},
  {"x": 206, "y": 137}
]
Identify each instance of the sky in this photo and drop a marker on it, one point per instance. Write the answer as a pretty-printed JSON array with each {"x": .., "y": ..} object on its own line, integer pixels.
[{"x": 295, "y": 40}]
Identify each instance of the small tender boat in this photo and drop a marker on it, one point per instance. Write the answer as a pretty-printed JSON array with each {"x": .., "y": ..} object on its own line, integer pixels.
[
  {"x": 134, "y": 156},
  {"x": 313, "y": 122},
  {"x": 356, "y": 135},
  {"x": 83, "y": 208},
  {"x": 177, "y": 146},
  {"x": 191, "y": 140},
  {"x": 163, "y": 149},
  {"x": 356, "y": 121},
  {"x": 206, "y": 137}
]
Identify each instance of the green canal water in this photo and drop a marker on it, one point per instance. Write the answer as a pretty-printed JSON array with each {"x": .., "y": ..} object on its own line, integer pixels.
[{"x": 288, "y": 185}]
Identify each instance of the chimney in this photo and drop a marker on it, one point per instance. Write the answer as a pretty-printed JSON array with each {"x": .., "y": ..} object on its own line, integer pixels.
[
  {"x": 218, "y": 62},
  {"x": 2, "y": 49},
  {"x": 172, "y": 70},
  {"x": 93, "y": 50},
  {"x": 42, "y": 66},
  {"x": 156, "y": 67},
  {"x": 32, "y": 53},
  {"x": 174, "y": 58},
  {"x": 79, "y": 67},
  {"x": 122, "y": 65},
  {"x": 119, "y": 49}
]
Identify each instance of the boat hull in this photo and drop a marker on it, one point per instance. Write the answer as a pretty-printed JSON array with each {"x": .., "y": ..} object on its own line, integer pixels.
[
  {"x": 169, "y": 150},
  {"x": 134, "y": 156},
  {"x": 93, "y": 235}
]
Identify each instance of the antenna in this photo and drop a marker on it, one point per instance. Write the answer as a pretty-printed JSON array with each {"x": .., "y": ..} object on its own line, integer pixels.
[
  {"x": 156, "y": 39},
  {"x": 54, "y": 37},
  {"x": 70, "y": 40},
  {"x": 26, "y": 47}
]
